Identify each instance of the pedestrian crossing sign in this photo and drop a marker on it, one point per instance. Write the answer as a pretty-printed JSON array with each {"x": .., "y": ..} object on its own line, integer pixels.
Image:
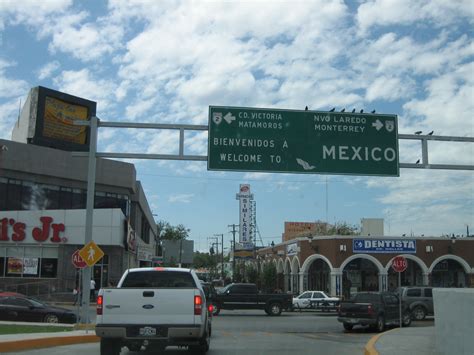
[{"x": 91, "y": 253}]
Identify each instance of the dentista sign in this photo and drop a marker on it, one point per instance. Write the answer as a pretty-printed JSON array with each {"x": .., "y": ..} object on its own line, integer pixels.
[{"x": 268, "y": 140}]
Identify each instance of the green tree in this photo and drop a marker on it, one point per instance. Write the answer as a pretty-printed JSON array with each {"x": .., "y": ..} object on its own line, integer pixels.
[
  {"x": 269, "y": 277},
  {"x": 252, "y": 274},
  {"x": 342, "y": 228},
  {"x": 168, "y": 232},
  {"x": 204, "y": 260}
]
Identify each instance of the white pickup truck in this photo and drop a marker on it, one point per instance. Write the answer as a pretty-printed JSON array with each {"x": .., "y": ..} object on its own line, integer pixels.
[{"x": 153, "y": 308}]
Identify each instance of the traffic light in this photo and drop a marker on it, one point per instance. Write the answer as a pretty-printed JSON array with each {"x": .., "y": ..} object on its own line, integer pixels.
[{"x": 211, "y": 251}]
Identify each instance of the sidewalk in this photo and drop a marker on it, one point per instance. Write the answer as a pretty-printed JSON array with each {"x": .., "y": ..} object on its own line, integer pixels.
[
  {"x": 28, "y": 341},
  {"x": 406, "y": 341}
]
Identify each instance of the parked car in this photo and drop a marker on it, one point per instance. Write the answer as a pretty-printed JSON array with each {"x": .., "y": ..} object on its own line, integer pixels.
[
  {"x": 25, "y": 309},
  {"x": 375, "y": 309},
  {"x": 315, "y": 300},
  {"x": 419, "y": 300}
]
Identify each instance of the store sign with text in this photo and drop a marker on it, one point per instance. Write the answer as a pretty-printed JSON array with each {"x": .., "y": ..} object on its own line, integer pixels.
[
  {"x": 45, "y": 231},
  {"x": 369, "y": 246}
]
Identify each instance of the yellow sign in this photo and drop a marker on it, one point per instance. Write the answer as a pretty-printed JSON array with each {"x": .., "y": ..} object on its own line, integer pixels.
[
  {"x": 91, "y": 253},
  {"x": 58, "y": 118}
]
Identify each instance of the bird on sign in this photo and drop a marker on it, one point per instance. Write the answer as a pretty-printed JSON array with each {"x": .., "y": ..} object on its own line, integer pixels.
[
  {"x": 431, "y": 133},
  {"x": 373, "y": 111},
  {"x": 418, "y": 161},
  {"x": 418, "y": 132},
  {"x": 306, "y": 108},
  {"x": 353, "y": 110},
  {"x": 332, "y": 110},
  {"x": 362, "y": 111},
  {"x": 343, "y": 110}
]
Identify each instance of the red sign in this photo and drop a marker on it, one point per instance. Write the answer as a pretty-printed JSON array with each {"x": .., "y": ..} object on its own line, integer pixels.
[
  {"x": 78, "y": 261},
  {"x": 399, "y": 264},
  {"x": 48, "y": 231}
]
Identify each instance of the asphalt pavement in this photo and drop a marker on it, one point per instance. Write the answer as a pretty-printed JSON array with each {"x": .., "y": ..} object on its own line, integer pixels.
[{"x": 406, "y": 341}]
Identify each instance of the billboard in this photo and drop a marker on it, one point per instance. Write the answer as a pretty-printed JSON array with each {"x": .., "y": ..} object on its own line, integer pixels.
[{"x": 47, "y": 119}]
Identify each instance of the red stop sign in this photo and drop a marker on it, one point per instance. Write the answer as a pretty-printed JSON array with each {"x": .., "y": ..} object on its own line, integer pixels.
[
  {"x": 78, "y": 261},
  {"x": 399, "y": 264}
]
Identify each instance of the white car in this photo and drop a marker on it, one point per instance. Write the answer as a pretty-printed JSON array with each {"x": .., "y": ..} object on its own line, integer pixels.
[{"x": 315, "y": 300}]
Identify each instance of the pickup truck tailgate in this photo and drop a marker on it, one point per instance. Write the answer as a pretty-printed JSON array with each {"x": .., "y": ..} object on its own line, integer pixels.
[
  {"x": 354, "y": 310},
  {"x": 148, "y": 306}
]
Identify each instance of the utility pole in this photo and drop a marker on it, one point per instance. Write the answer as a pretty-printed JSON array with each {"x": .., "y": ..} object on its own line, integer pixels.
[
  {"x": 222, "y": 255},
  {"x": 233, "y": 250}
]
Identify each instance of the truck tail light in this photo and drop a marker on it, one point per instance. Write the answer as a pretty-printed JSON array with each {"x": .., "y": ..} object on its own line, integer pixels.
[
  {"x": 100, "y": 302},
  {"x": 197, "y": 305},
  {"x": 370, "y": 309},
  {"x": 210, "y": 309}
]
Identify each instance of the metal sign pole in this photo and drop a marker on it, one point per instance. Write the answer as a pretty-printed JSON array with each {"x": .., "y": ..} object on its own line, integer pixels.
[
  {"x": 86, "y": 274},
  {"x": 400, "y": 296}
]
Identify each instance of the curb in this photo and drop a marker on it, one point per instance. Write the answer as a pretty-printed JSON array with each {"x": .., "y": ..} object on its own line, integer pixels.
[
  {"x": 369, "y": 348},
  {"x": 9, "y": 346}
]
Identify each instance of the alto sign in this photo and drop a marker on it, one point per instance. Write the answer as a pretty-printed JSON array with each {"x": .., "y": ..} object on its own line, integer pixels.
[
  {"x": 314, "y": 142},
  {"x": 77, "y": 260},
  {"x": 399, "y": 264}
]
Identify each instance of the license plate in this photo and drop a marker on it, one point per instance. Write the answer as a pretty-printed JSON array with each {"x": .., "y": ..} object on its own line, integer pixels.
[{"x": 147, "y": 331}]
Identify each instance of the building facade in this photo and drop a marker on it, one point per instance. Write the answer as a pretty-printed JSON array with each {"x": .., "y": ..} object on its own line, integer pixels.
[
  {"x": 342, "y": 265},
  {"x": 42, "y": 218}
]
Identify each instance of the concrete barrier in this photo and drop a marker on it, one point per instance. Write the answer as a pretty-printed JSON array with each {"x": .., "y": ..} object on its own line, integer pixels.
[{"x": 454, "y": 320}]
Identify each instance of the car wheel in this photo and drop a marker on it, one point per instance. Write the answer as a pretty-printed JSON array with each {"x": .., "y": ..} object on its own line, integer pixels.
[
  {"x": 216, "y": 309},
  {"x": 109, "y": 346},
  {"x": 419, "y": 313},
  {"x": 406, "y": 319},
  {"x": 203, "y": 346},
  {"x": 51, "y": 318},
  {"x": 274, "y": 309},
  {"x": 380, "y": 325},
  {"x": 347, "y": 326}
]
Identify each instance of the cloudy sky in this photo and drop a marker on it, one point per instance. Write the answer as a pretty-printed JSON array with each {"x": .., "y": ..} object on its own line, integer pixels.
[{"x": 168, "y": 61}]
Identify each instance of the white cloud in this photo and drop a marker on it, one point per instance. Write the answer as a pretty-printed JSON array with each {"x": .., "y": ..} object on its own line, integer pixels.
[
  {"x": 48, "y": 69},
  {"x": 390, "y": 89},
  {"x": 406, "y": 12},
  {"x": 84, "y": 84},
  {"x": 180, "y": 198}
]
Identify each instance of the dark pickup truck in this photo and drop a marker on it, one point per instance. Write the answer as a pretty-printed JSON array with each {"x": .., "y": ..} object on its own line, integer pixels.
[
  {"x": 247, "y": 296},
  {"x": 375, "y": 309}
]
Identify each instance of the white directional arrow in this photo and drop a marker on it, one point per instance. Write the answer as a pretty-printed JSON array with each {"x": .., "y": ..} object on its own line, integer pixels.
[
  {"x": 229, "y": 118},
  {"x": 378, "y": 125}
]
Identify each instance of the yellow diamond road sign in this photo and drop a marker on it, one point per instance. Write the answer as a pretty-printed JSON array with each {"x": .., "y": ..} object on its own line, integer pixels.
[{"x": 91, "y": 253}]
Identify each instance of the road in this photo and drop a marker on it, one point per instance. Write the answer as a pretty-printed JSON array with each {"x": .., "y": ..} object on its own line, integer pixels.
[{"x": 254, "y": 333}]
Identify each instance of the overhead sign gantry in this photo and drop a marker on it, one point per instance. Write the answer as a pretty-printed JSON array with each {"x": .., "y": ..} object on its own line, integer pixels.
[{"x": 272, "y": 140}]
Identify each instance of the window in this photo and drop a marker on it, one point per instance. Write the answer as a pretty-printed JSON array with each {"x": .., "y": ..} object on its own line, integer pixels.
[
  {"x": 306, "y": 295},
  {"x": 159, "y": 279},
  {"x": 415, "y": 292},
  {"x": 318, "y": 295},
  {"x": 49, "y": 267},
  {"x": 428, "y": 292}
]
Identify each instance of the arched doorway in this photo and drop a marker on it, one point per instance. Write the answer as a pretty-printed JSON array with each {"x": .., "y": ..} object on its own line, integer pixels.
[
  {"x": 280, "y": 275},
  {"x": 360, "y": 274},
  {"x": 295, "y": 270},
  {"x": 319, "y": 276},
  {"x": 449, "y": 273}
]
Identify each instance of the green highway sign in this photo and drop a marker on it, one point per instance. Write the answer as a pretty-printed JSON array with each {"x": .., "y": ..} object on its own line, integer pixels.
[{"x": 291, "y": 141}]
